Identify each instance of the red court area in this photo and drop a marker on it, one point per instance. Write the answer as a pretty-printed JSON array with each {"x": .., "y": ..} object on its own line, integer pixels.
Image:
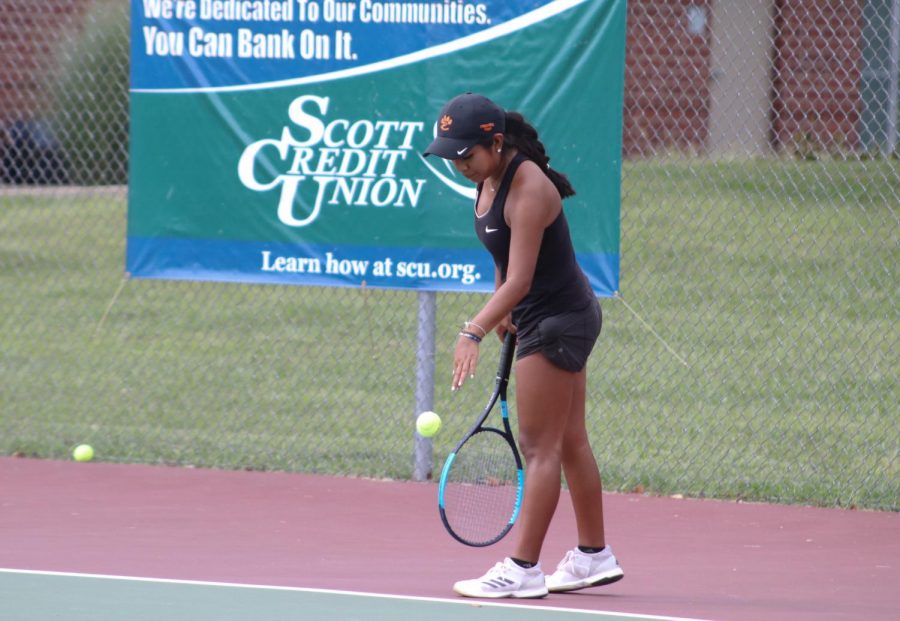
[{"x": 686, "y": 558}]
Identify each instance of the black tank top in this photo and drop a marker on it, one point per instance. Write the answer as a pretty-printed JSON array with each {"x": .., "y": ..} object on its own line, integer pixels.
[{"x": 558, "y": 285}]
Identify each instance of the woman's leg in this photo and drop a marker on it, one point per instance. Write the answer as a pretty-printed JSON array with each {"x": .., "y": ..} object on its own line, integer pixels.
[
  {"x": 581, "y": 471},
  {"x": 581, "y": 568},
  {"x": 544, "y": 399}
]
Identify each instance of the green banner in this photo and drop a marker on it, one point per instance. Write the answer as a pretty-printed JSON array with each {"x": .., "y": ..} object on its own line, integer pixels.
[{"x": 281, "y": 141}]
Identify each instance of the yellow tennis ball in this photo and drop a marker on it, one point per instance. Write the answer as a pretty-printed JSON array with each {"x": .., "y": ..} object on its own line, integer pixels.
[
  {"x": 83, "y": 452},
  {"x": 427, "y": 424}
]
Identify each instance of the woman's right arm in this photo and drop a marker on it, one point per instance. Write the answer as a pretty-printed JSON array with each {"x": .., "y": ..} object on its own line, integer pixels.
[{"x": 505, "y": 324}]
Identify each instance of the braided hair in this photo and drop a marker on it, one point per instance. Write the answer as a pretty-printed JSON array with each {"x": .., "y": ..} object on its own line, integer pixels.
[{"x": 521, "y": 135}]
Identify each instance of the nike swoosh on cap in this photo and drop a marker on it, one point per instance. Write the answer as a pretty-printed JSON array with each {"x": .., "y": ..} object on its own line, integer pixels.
[
  {"x": 488, "y": 229},
  {"x": 461, "y": 151}
]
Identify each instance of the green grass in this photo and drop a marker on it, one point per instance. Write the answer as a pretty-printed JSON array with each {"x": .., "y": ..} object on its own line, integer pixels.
[{"x": 775, "y": 281}]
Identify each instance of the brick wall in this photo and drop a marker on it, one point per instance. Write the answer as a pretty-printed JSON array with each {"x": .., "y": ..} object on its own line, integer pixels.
[
  {"x": 30, "y": 34},
  {"x": 667, "y": 72},
  {"x": 816, "y": 99}
]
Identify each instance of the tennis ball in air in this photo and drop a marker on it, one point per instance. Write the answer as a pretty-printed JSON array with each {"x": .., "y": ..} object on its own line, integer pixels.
[
  {"x": 83, "y": 452},
  {"x": 427, "y": 424}
]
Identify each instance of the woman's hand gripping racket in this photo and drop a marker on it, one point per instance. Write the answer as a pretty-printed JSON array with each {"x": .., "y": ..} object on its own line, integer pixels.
[{"x": 481, "y": 485}]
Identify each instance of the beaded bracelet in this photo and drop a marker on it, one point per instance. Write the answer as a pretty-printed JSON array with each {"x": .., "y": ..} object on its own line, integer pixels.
[
  {"x": 470, "y": 336},
  {"x": 466, "y": 324}
]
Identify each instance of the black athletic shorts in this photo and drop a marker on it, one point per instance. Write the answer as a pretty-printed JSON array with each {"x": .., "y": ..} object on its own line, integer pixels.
[{"x": 566, "y": 340}]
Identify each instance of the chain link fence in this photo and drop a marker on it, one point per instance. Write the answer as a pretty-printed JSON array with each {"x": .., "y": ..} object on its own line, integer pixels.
[{"x": 751, "y": 354}]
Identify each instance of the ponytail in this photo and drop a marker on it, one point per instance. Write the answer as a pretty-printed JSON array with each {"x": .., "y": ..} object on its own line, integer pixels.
[{"x": 520, "y": 134}]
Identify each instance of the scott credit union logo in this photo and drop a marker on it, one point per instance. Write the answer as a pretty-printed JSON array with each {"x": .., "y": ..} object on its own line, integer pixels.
[{"x": 319, "y": 161}]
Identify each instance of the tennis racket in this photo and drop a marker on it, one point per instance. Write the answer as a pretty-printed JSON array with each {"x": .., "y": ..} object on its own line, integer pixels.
[{"x": 481, "y": 485}]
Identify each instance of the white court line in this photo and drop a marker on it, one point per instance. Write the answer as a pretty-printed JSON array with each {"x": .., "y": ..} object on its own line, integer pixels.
[{"x": 237, "y": 585}]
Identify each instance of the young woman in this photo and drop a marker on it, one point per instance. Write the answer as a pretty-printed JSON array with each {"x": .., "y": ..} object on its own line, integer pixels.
[{"x": 544, "y": 298}]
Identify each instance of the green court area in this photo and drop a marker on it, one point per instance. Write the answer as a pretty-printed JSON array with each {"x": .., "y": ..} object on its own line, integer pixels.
[{"x": 40, "y": 596}]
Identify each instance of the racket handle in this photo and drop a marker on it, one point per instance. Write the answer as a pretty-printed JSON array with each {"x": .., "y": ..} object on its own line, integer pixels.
[{"x": 507, "y": 353}]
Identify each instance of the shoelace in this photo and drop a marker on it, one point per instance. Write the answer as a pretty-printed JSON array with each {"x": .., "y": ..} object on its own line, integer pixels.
[
  {"x": 498, "y": 571},
  {"x": 568, "y": 557}
]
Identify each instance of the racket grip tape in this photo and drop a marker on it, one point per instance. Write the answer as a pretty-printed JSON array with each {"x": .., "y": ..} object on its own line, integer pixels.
[{"x": 507, "y": 353}]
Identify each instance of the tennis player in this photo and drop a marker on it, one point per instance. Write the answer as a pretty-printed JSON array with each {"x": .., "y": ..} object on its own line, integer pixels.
[{"x": 542, "y": 296}]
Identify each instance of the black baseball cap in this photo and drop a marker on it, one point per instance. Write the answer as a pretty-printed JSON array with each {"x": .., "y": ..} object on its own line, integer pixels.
[{"x": 466, "y": 120}]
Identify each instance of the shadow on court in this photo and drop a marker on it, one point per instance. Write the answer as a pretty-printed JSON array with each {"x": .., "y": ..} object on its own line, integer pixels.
[{"x": 682, "y": 558}]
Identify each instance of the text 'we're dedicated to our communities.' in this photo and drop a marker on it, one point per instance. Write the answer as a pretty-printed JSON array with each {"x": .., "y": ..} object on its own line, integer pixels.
[{"x": 202, "y": 39}]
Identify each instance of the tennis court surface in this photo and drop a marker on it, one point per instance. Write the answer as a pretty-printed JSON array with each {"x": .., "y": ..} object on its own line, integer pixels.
[{"x": 107, "y": 542}]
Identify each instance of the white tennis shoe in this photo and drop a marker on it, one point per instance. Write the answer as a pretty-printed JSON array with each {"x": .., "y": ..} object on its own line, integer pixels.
[
  {"x": 579, "y": 570},
  {"x": 505, "y": 579}
]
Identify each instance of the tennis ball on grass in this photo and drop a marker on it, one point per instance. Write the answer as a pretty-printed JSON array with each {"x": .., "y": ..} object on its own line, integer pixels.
[
  {"x": 83, "y": 452},
  {"x": 427, "y": 424}
]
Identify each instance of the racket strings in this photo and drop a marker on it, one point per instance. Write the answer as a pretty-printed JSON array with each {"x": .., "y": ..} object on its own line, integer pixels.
[{"x": 482, "y": 488}]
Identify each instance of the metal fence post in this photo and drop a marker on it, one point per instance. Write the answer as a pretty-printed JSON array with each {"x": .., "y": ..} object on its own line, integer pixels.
[
  {"x": 894, "y": 67},
  {"x": 425, "y": 335}
]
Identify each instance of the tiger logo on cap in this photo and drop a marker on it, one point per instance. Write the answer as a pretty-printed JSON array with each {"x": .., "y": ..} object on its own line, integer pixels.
[{"x": 446, "y": 122}]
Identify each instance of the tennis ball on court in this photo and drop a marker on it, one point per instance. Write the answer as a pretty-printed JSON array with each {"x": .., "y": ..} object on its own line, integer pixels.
[
  {"x": 427, "y": 424},
  {"x": 83, "y": 452}
]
